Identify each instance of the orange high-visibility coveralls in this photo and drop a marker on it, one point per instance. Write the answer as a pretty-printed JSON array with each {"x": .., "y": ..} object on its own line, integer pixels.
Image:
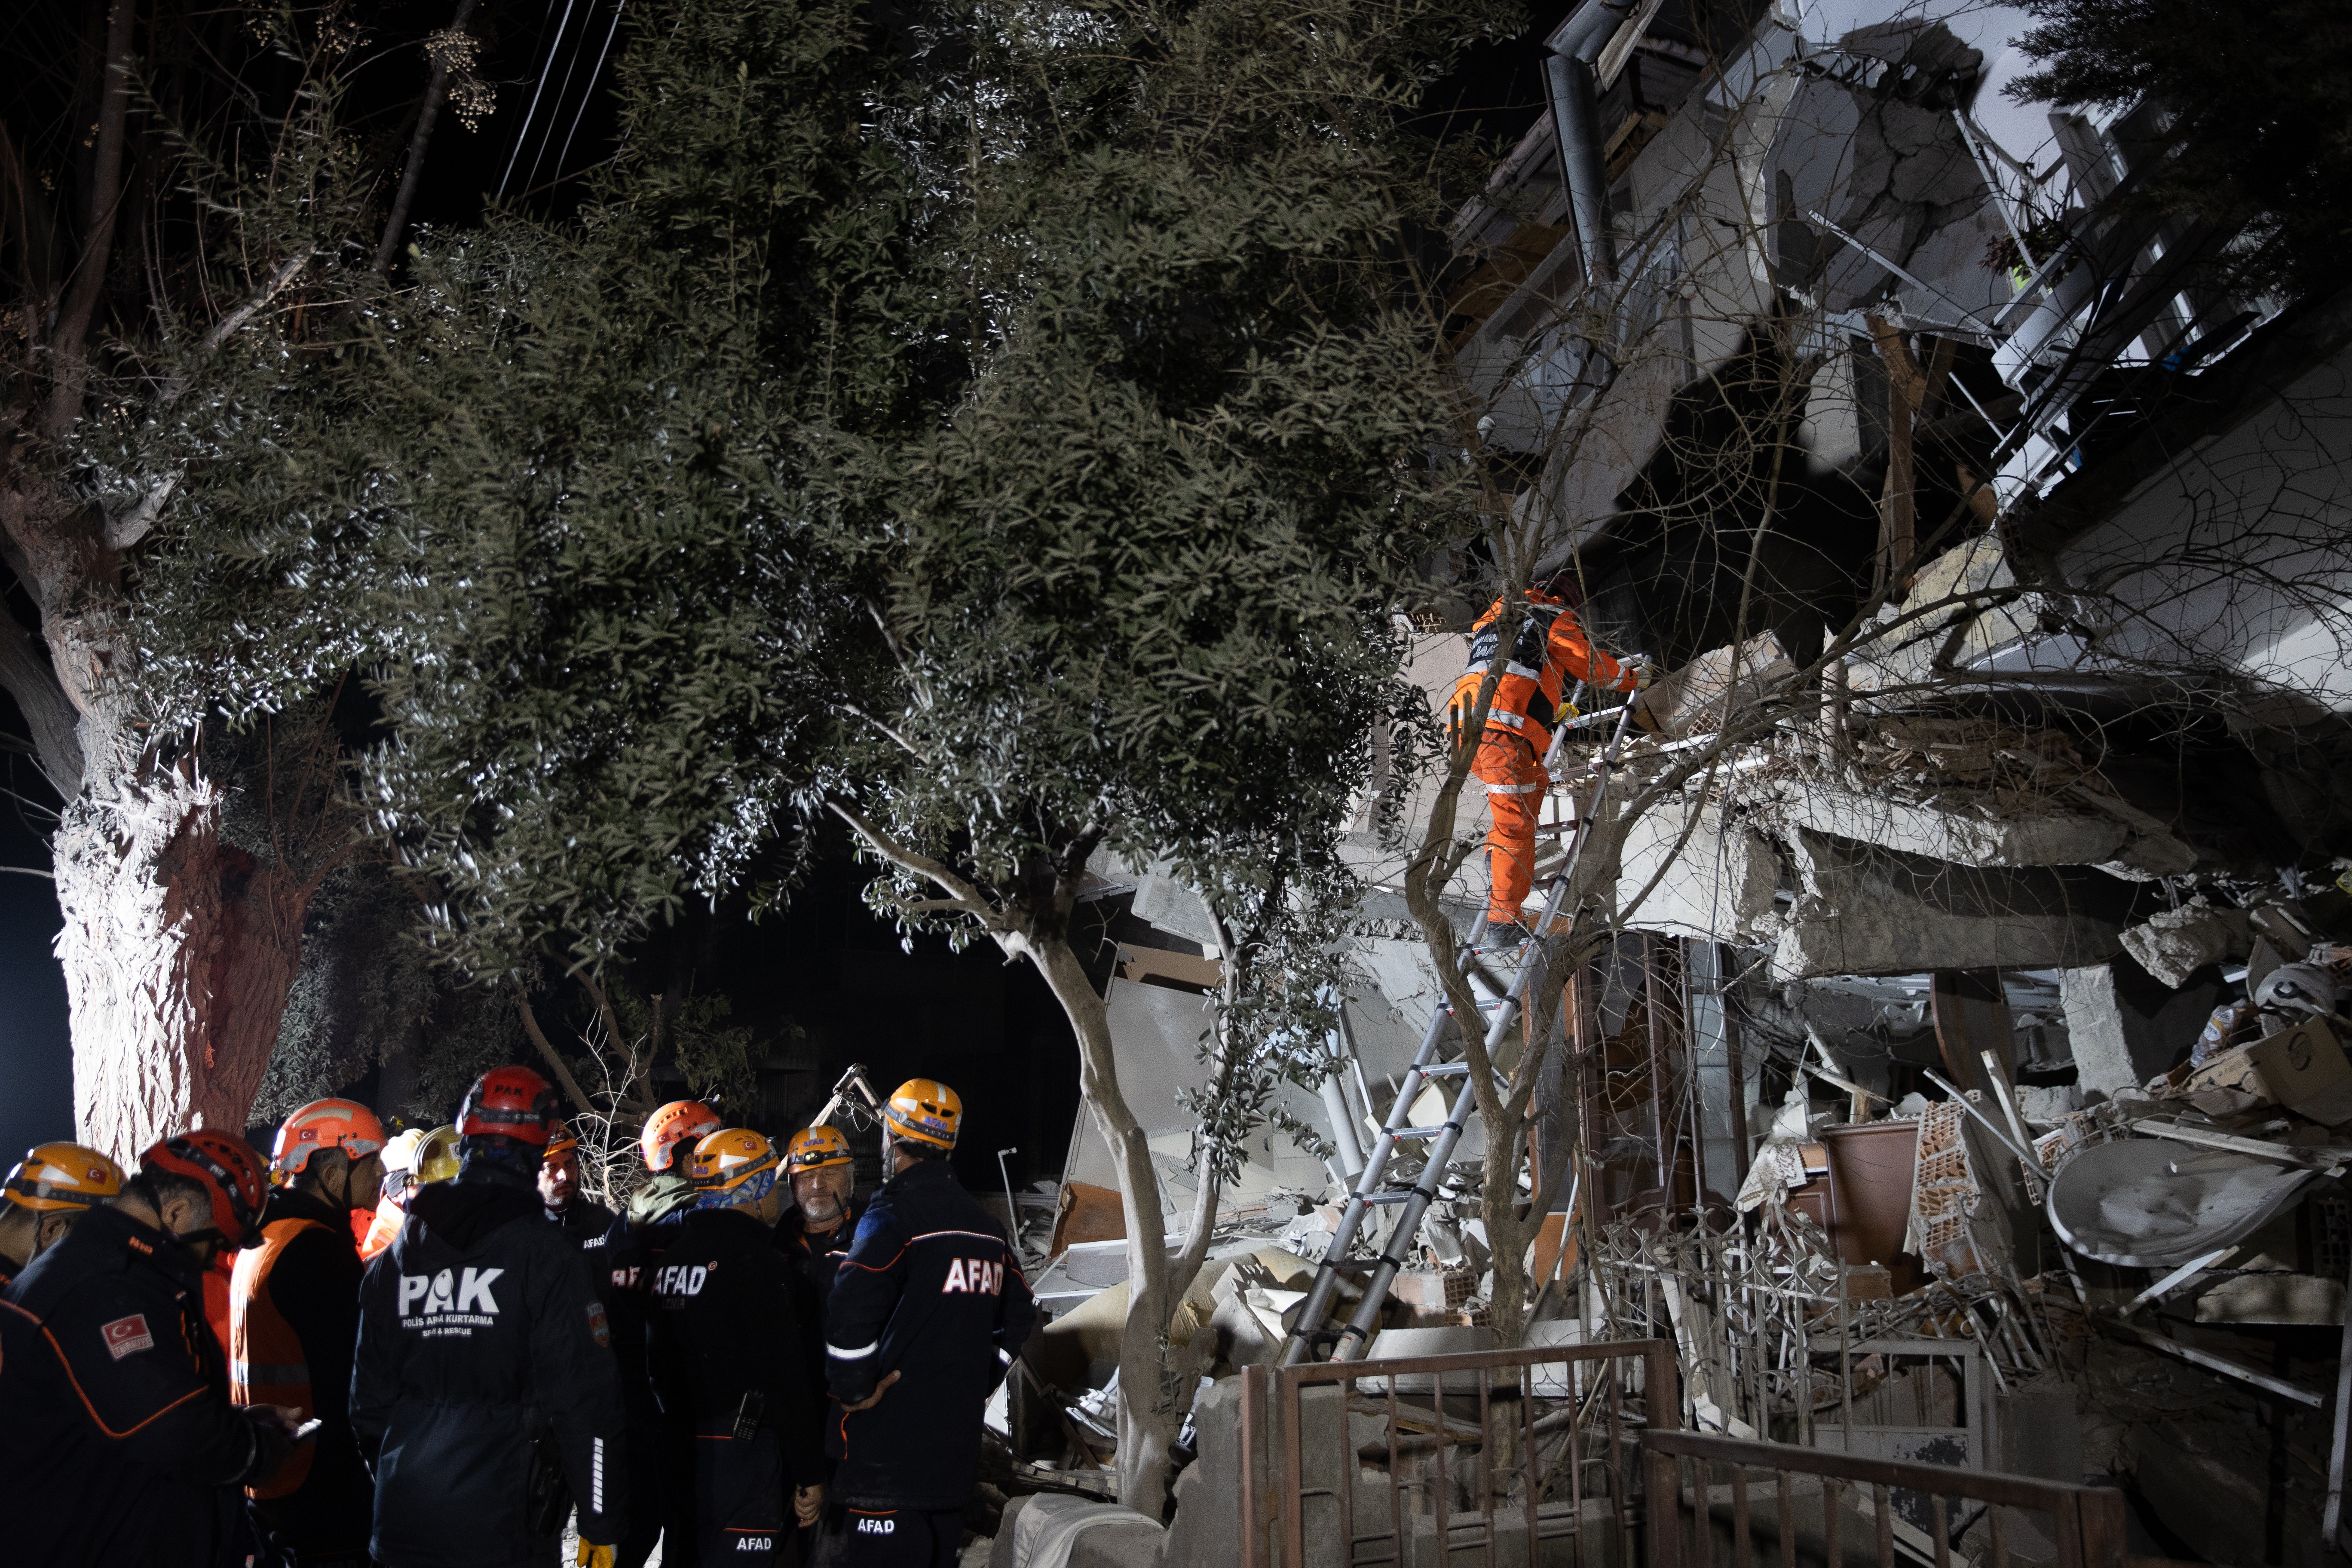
[{"x": 1551, "y": 648}]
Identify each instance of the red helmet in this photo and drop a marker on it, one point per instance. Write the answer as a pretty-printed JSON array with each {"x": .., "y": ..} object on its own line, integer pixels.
[
  {"x": 509, "y": 1102},
  {"x": 231, "y": 1175},
  {"x": 680, "y": 1121}
]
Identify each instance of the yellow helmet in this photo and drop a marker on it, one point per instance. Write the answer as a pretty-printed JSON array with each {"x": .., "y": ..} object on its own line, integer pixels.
[
  {"x": 731, "y": 1166},
  {"x": 436, "y": 1156},
  {"x": 813, "y": 1148},
  {"x": 54, "y": 1177},
  {"x": 400, "y": 1151},
  {"x": 925, "y": 1110}
]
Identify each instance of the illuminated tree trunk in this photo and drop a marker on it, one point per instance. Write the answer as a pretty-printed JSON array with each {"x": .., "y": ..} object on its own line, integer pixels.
[{"x": 178, "y": 951}]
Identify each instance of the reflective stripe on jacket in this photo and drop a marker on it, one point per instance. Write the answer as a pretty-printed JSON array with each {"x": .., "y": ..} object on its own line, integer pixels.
[
  {"x": 266, "y": 1365},
  {"x": 1549, "y": 649}
]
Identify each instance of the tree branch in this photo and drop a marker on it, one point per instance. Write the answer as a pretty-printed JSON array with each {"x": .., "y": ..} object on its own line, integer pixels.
[
  {"x": 968, "y": 897},
  {"x": 538, "y": 1038},
  {"x": 67, "y": 374},
  {"x": 30, "y": 676},
  {"x": 435, "y": 89},
  {"x": 122, "y": 532}
]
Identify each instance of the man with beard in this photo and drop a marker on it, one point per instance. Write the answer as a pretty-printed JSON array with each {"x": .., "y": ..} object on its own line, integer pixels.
[
  {"x": 814, "y": 1237},
  {"x": 584, "y": 1220}
]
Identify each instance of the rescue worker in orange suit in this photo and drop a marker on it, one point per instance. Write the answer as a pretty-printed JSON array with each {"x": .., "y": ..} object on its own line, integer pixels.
[
  {"x": 483, "y": 1386},
  {"x": 727, "y": 1357},
  {"x": 814, "y": 1237},
  {"x": 661, "y": 1458},
  {"x": 117, "y": 1436},
  {"x": 1548, "y": 652},
  {"x": 294, "y": 1320},
  {"x": 928, "y": 1312},
  {"x": 583, "y": 1219},
  {"x": 52, "y": 1186}
]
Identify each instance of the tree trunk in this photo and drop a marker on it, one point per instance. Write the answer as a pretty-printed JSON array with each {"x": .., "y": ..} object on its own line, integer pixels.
[
  {"x": 178, "y": 949},
  {"x": 1148, "y": 1411},
  {"x": 178, "y": 952}
]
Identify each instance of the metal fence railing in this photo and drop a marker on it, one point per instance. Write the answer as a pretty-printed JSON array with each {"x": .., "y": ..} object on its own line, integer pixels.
[
  {"x": 1911, "y": 1510},
  {"x": 1520, "y": 1455},
  {"x": 1575, "y": 1456}
]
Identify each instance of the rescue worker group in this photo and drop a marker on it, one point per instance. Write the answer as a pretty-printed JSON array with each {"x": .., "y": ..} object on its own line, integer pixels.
[{"x": 433, "y": 1350}]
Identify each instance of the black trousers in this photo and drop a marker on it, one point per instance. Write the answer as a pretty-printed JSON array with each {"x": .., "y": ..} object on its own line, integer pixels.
[
  {"x": 889, "y": 1538},
  {"x": 742, "y": 1513},
  {"x": 661, "y": 1498}
]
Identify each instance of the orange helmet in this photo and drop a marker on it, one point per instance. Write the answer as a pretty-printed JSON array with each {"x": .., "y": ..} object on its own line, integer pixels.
[
  {"x": 53, "y": 1178},
  {"x": 925, "y": 1110},
  {"x": 509, "y": 1102},
  {"x": 733, "y": 1166},
  {"x": 230, "y": 1172},
  {"x": 344, "y": 1124},
  {"x": 680, "y": 1121},
  {"x": 561, "y": 1139},
  {"x": 813, "y": 1148}
]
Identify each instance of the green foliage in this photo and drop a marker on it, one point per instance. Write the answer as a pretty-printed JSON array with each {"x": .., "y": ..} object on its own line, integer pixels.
[
  {"x": 2258, "y": 97},
  {"x": 1018, "y": 431}
]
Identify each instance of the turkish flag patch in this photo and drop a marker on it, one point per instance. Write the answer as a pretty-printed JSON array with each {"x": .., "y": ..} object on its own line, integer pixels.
[
  {"x": 597, "y": 1324},
  {"x": 127, "y": 1334}
]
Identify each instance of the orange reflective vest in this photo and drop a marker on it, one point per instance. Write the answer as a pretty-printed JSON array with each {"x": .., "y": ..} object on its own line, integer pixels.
[
  {"x": 382, "y": 1228},
  {"x": 1551, "y": 647},
  {"x": 266, "y": 1359}
]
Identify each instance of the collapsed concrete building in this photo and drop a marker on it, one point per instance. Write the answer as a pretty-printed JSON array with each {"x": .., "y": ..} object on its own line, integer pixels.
[{"x": 1961, "y": 955}]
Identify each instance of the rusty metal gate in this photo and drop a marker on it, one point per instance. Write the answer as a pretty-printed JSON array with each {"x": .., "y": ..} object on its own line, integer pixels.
[{"x": 1555, "y": 1430}]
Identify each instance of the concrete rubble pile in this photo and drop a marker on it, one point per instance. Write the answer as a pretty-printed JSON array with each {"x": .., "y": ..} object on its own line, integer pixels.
[{"x": 1952, "y": 1057}]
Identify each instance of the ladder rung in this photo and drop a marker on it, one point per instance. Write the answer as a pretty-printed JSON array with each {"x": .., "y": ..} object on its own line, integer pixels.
[
  {"x": 1421, "y": 1131},
  {"x": 1444, "y": 1070},
  {"x": 1404, "y": 1196}
]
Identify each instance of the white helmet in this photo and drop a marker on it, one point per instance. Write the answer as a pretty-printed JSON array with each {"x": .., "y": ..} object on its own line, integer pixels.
[{"x": 2298, "y": 988}]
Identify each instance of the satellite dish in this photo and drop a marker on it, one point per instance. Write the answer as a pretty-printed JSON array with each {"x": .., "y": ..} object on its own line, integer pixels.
[{"x": 2147, "y": 1202}]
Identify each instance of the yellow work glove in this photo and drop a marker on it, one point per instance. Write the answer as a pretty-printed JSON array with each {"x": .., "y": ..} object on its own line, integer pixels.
[{"x": 594, "y": 1556}]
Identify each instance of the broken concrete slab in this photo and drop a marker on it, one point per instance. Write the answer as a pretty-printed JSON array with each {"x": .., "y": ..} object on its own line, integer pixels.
[
  {"x": 2174, "y": 944},
  {"x": 1952, "y": 829},
  {"x": 1714, "y": 876},
  {"x": 2272, "y": 1299},
  {"x": 1053, "y": 1530},
  {"x": 1694, "y": 697},
  {"x": 1867, "y": 911},
  {"x": 2125, "y": 1027}
]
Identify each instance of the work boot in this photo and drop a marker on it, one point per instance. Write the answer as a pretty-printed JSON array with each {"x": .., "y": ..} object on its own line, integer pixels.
[{"x": 1502, "y": 936}]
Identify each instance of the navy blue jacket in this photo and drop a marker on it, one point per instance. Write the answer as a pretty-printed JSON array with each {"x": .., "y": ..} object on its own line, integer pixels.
[
  {"x": 723, "y": 1326},
  {"x": 479, "y": 1329},
  {"x": 117, "y": 1436},
  {"x": 629, "y": 1255},
  {"x": 930, "y": 1290}
]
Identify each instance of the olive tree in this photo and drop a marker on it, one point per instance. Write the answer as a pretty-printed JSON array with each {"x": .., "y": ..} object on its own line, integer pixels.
[{"x": 1007, "y": 438}]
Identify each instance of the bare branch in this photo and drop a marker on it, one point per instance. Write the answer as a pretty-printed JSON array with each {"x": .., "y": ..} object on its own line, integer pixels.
[{"x": 538, "y": 1038}]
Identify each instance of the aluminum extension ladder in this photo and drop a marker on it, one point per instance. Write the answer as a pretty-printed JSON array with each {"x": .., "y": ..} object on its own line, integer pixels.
[{"x": 1349, "y": 1343}]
